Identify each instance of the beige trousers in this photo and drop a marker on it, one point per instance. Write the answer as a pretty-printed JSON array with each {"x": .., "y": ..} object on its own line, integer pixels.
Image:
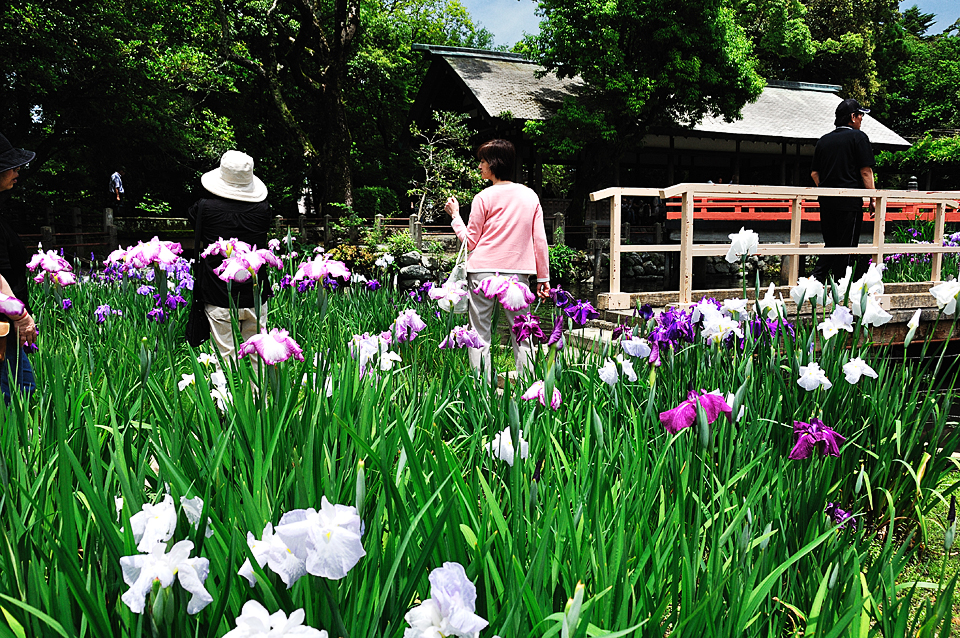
[
  {"x": 222, "y": 331},
  {"x": 481, "y": 317}
]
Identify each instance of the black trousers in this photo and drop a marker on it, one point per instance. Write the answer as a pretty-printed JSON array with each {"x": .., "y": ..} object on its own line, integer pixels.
[{"x": 840, "y": 229}]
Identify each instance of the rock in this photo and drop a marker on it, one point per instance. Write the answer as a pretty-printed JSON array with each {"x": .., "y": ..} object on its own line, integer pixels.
[
  {"x": 411, "y": 258},
  {"x": 649, "y": 268},
  {"x": 429, "y": 261},
  {"x": 415, "y": 271}
]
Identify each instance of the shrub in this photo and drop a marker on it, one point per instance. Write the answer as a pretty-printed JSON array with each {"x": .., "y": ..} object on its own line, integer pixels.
[
  {"x": 400, "y": 242},
  {"x": 368, "y": 201},
  {"x": 567, "y": 263}
]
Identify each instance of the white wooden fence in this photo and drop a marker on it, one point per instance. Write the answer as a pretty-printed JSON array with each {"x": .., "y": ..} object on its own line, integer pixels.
[{"x": 615, "y": 299}]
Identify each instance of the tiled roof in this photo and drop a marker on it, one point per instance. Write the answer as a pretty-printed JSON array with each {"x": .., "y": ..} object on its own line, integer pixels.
[
  {"x": 511, "y": 85},
  {"x": 796, "y": 115},
  {"x": 503, "y": 82}
]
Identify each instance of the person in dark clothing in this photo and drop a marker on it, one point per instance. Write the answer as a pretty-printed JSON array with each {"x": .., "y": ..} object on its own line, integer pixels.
[
  {"x": 237, "y": 208},
  {"x": 13, "y": 269},
  {"x": 843, "y": 158},
  {"x": 115, "y": 193}
]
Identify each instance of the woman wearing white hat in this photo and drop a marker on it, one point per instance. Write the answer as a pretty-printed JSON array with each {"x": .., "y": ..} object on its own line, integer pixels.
[
  {"x": 21, "y": 330},
  {"x": 236, "y": 208}
]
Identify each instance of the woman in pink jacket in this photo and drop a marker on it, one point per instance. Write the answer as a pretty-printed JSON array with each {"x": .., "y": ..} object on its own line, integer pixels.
[{"x": 504, "y": 236}]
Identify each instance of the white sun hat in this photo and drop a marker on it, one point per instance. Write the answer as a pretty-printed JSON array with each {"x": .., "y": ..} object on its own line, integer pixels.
[{"x": 235, "y": 179}]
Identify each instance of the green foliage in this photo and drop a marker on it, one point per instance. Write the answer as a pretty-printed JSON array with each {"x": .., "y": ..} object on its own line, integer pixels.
[
  {"x": 370, "y": 201},
  {"x": 557, "y": 180},
  {"x": 400, "y": 242},
  {"x": 567, "y": 263},
  {"x": 780, "y": 35},
  {"x": 443, "y": 156},
  {"x": 153, "y": 208},
  {"x": 925, "y": 151}
]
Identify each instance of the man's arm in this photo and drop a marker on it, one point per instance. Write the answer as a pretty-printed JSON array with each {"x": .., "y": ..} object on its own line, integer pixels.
[
  {"x": 866, "y": 174},
  {"x": 816, "y": 177}
]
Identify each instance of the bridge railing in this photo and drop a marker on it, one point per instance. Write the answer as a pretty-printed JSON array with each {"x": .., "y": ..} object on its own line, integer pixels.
[{"x": 689, "y": 193}]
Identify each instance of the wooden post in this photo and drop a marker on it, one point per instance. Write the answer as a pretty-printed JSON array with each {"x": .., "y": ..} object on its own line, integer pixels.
[
  {"x": 937, "y": 259},
  {"x": 418, "y": 235},
  {"x": 278, "y": 224},
  {"x": 615, "y": 207},
  {"x": 46, "y": 237},
  {"x": 686, "y": 248},
  {"x": 413, "y": 222},
  {"x": 879, "y": 227},
  {"x": 327, "y": 230},
  {"x": 377, "y": 223},
  {"x": 51, "y": 220},
  {"x": 626, "y": 232},
  {"x": 559, "y": 230},
  {"x": 112, "y": 242},
  {"x": 302, "y": 226},
  {"x": 796, "y": 218},
  {"x": 107, "y": 218}
]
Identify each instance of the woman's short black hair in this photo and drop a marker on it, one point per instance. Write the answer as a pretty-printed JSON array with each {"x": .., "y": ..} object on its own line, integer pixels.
[{"x": 501, "y": 157}]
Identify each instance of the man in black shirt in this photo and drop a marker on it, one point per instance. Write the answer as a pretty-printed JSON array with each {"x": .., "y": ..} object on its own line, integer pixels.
[
  {"x": 843, "y": 159},
  {"x": 13, "y": 270},
  {"x": 237, "y": 208}
]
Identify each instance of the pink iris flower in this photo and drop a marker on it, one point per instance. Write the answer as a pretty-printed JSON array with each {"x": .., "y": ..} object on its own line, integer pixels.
[
  {"x": 48, "y": 261},
  {"x": 321, "y": 268},
  {"x": 241, "y": 266},
  {"x": 226, "y": 247},
  {"x": 272, "y": 347},
  {"x": 685, "y": 414},
  {"x": 447, "y": 295},
  {"x": 513, "y": 294},
  {"x": 146, "y": 254},
  {"x": 11, "y": 306},
  {"x": 538, "y": 391},
  {"x": 64, "y": 278}
]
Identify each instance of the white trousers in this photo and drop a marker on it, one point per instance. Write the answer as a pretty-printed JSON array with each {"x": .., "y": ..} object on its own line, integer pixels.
[{"x": 481, "y": 317}]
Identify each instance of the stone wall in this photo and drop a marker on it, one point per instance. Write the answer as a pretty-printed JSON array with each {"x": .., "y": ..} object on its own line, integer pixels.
[{"x": 417, "y": 268}]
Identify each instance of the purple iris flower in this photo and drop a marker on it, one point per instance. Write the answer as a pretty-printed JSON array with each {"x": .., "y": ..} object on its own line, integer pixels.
[
  {"x": 145, "y": 290},
  {"x": 175, "y": 301},
  {"x": 66, "y": 304},
  {"x": 373, "y": 284},
  {"x": 526, "y": 326},
  {"x": 645, "y": 311},
  {"x": 581, "y": 312},
  {"x": 561, "y": 297},
  {"x": 330, "y": 283},
  {"x": 425, "y": 288},
  {"x": 808, "y": 435},
  {"x": 620, "y": 330},
  {"x": 840, "y": 517},
  {"x": 285, "y": 282},
  {"x": 685, "y": 414},
  {"x": 157, "y": 315},
  {"x": 102, "y": 312},
  {"x": 462, "y": 337},
  {"x": 407, "y": 325},
  {"x": 556, "y": 335},
  {"x": 305, "y": 285}
]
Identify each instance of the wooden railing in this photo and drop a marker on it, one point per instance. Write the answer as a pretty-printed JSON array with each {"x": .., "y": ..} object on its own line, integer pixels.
[{"x": 689, "y": 193}]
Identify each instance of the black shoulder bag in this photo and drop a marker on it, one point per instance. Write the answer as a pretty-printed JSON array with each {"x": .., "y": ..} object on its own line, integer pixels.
[{"x": 198, "y": 326}]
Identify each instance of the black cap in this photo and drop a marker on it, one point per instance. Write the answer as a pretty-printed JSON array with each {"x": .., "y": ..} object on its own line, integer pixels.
[
  {"x": 12, "y": 157},
  {"x": 846, "y": 109}
]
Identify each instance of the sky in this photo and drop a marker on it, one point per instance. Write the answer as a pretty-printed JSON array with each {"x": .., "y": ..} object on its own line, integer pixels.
[{"x": 509, "y": 19}]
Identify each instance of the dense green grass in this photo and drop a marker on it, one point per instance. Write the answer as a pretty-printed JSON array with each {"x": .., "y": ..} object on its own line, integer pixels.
[{"x": 711, "y": 532}]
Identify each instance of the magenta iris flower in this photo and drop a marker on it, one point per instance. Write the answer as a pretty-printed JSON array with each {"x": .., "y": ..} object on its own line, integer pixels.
[
  {"x": 561, "y": 297},
  {"x": 685, "y": 414},
  {"x": 320, "y": 268},
  {"x": 272, "y": 347},
  {"x": 840, "y": 517},
  {"x": 526, "y": 326},
  {"x": 808, "y": 435},
  {"x": 373, "y": 284}
]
